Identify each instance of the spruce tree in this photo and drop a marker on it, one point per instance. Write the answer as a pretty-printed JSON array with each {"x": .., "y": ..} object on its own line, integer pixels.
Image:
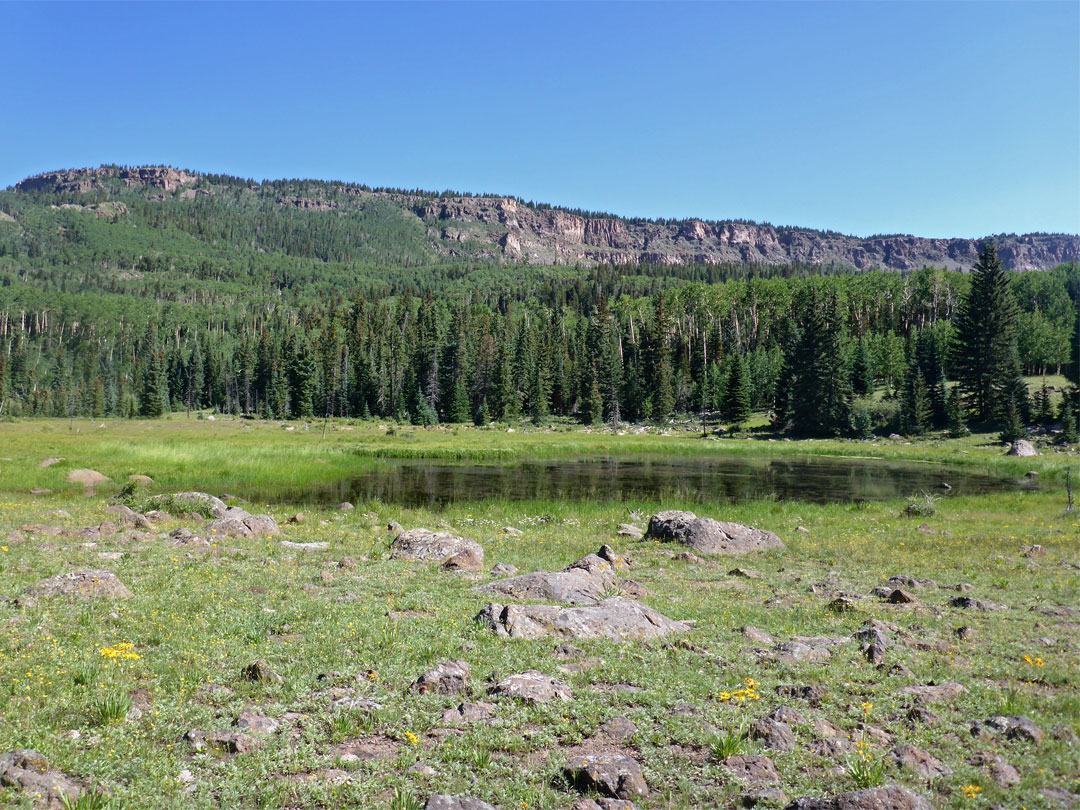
[
  {"x": 984, "y": 340},
  {"x": 459, "y": 403},
  {"x": 735, "y": 402},
  {"x": 154, "y": 400},
  {"x": 862, "y": 372},
  {"x": 915, "y": 411},
  {"x": 954, "y": 423},
  {"x": 1068, "y": 421}
]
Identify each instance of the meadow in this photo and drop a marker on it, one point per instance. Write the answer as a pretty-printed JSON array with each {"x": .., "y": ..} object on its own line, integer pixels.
[{"x": 107, "y": 688}]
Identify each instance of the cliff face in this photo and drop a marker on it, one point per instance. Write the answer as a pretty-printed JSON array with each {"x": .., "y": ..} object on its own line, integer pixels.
[{"x": 504, "y": 228}]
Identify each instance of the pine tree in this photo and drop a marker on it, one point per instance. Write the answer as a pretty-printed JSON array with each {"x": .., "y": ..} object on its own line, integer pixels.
[
  {"x": 154, "y": 399},
  {"x": 1044, "y": 411},
  {"x": 955, "y": 424},
  {"x": 459, "y": 404},
  {"x": 915, "y": 412},
  {"x": 1068, "y": 421},
  {"x": 815, "y": 392},
  {"x": 735, "y": 401},
  {"x": 483, "y": 416},
  {"x": 984, "y": 340},
  {"x": 862, "y": 372}
]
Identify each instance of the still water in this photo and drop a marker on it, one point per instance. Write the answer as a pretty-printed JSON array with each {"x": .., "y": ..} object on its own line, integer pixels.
[{"x": 420, "y": 483}]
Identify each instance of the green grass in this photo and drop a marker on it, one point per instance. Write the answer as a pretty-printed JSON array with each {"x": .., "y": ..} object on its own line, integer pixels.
[{"x": 198, "y": 618}]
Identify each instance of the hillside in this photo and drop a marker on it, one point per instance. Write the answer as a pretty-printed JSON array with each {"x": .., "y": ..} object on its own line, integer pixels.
[{"x": 348, "y": 222}]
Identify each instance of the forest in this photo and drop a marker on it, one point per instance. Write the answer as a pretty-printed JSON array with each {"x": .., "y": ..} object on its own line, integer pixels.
[{"x": 112, "y": 305}]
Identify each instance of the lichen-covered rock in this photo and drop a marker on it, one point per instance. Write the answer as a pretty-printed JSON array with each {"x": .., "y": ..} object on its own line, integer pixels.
[
  {"x": 439, "y": 801},
  {"x": 920, "y": 762},
  {"x": 448, "y": 678},
  {"x": 935, "y": 693},
  {"x": 261, "y": 671},
  {"x": 752, "y": 768},
  {"x": 773, "y": 734},
  {"x": 424, "y": 544},
  {"x": 580, "y": 583},
  {"x": 83, "y": 583},
  {"x": 892, "y": 797},
  {"x": 708, "y": 536},
  {"x": 614, "y": 775},
  {"x": 1022, "y": 447},
  {"x": 28, "y": 772},
  {"x": 261, "y": 525},
  {"x": 533, "y": 686},
  {"x": 999, "y": 769},
  {"x": 468, "y": 713},
  {"x": 1014, "y": 727},
  {"x": 615, "y": 618}
]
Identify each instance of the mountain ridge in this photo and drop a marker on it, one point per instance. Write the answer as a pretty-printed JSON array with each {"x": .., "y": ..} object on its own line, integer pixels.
[{"x": 501, "y": 229}]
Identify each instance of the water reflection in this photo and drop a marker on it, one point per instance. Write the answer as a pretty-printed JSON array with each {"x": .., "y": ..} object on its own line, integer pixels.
[{"x": 729, "y": 479}]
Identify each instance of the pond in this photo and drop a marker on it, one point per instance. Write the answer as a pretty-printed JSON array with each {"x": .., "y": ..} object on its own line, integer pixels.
[{"x": 729, "y": 479}]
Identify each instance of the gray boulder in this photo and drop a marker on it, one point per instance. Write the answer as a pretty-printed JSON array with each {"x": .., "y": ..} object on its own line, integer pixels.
[
  {"x": 533, "y": 686},
  {"x": 614, "y": 775},
  {"x": 83, "y": 583},
  {"x": 439, "y": 801},
  {"x": 29, "y": 772},
  {"x": 615, "y": 618},
  {"x": 448, "y": 678},
  {"x": 892, "y": 797},
  {"x": 708, "y": 536},
  {"x": 1022, "y": 447},
  {"x": 424, "y": 544},
  {"x": 580, "y": 583}
]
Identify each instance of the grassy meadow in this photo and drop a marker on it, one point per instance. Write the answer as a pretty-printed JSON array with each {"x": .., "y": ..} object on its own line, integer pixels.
[{"x": 348, "y": 621}]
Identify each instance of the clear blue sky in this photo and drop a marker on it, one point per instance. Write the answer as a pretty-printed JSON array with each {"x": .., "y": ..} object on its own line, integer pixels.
[{"x": 939, "y": 119}]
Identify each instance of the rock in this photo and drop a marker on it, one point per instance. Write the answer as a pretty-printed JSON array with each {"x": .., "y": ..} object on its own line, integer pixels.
[
  {"x": 874, "y": 632},
  {"x": 614, "y": 618},
  {"x": 999, "y": 769},
  {"x": 532, "y": 686},
  {"x": 628, "y": 530},
  {"x": 1061, "y": 797},
  {"x": 39, "y": 528},
  {"x": 811, "y": 694},
  {"x": 891, "y": 797},
  {"x": 231, "y": 526},
  {"x": 503, "y": 570},
  {"x": 708, "y": 536},
  {"x": 466, "y": 560},
  {"x": 49, "y": 462},
  {"x": 422, "y": 770},
  {"x": 919, "y": 761},
  {"x": 900, "y": 597},
  {"x": 156, "y": 515},
  {"x": 439, "y": 801},
  {"x": 83, "y": 583},
  {"x": 1014, "y": 727},
  {"x": 28, "y": 772},
  {"x": 773, "y": 734},
  {"x": 304, "y": 546},
  {"x": 785, "y": 714},
  {"x": 1032, "y": 551},
  {"x": 511, "y": 531},
  {"x": 935, "y": 693},
  {"x": 843, "y": 604},
  {"x": 469, "y": 713},
  {"x": 580, "y": 583},
  {"x": 603, "y": 804},
  {"x": 261, "y": 671},
  {"x": 904, "y": 581},
  {"x": 256, "y": 723},
  {"x": 261, "y": 525},
  {"x": 971, "y": 603},
  {"x": 229, "y": 742},
  {"x": 88, "y": 478},
  {"x": 750, "y": 768},
  {"x": 40, "y": 491},
  {"x": 345, "y": 506},
  {"x": 1022, "y": 447},
  {"x": 192, "y": 501},
  {"x": 744, "y": 573},
  {"x": 423, "y": 544},
  {"x": 140, "y": 479},
  {"x": 919, "y": 715},
  {"x": 618, "y": 728},
  {"x": 448, "y": 678},
  {"x": 770, "y": 795},
  {"x": 874, "y": 653},
  {"x": 757, "y": 636},
  {"x": 614, "y": 775},
  {"x": 689, "y": 557},
  {"x": 347, "y": 563}
]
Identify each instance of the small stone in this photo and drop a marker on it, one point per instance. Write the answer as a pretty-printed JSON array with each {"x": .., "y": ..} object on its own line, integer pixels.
[
  {"x": 918, "y": 714},
  {"x": 971, "y": 603},
  {"x": 785, "y": 714},
  {"x": 532, "y": 686},
  {"x": 613, "y": 775},
  {"x": 345, "y": 506},
  {"x": 468, "y": 713},
  {"x": 919, "y": 761},
  {"x": 422, "y": 769},
  {"x": 257, "y": 723},
  {"x": 965, "y": 633},
  {"x": 512, "y": 531},
  {"x": 618, "y": 728},
  {"x": 439, "y": 801},
  {"x": 750, "y": 768},
  {"x": 261, "y": 671},
  {"x": 757, "y": 636},
  {"x": 627, "y": 530},
  {"x": 935, "y": 693},
  {"x": 999, "y": 769},
  {"x": 773, "y": 734},
  {"x": 299, "y": 517},
  {"x": 503, "y": 570},
  {"x": 891, "y": 797},
  {"x": 448, "y": 678},
  {"x": 744, "y": 573},
  {"x": 842, "y": 604},
  {"x": 900, "y": 597},
  {"x": 811, "y": 694},
  {"x": 185, "y": 776}
]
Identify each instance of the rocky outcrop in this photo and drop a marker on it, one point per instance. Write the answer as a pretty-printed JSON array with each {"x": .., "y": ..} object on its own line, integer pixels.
[
  {"x": 580, "y": 583},
  {"x": 489, "y": 227},
  {"x": 84, "y": 583},
  {"x": 426, "y": 545},
  {"x": 892, "y": 797},
  {"x": 615, "y": 618},
  {"x": 708, "y": 536},
  {"x": 30, "y": 773}
]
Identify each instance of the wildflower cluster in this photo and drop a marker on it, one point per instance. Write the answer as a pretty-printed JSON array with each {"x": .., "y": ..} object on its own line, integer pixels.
[
  {"x": 123, "y": 650},
  {"x": 1035, "y": 662},
  {"x": 971, "y": 791},
  {"x": 749, "y": 692}
]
